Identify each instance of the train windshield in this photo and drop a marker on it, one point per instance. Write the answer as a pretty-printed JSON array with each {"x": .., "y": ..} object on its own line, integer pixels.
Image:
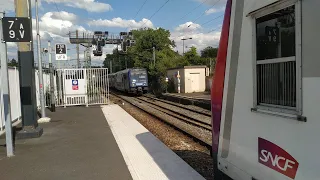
[{"x": 139, "y": 77}]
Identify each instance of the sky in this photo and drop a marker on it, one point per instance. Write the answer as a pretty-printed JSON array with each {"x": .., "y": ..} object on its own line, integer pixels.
[{"x": 200, "y": 20}]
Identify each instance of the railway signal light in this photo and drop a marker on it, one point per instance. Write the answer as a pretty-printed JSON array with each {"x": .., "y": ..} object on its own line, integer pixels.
[{"x": 123, "y": 33}]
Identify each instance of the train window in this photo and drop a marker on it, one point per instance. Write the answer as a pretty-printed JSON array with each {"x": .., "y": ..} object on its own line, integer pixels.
[{"x": 277, "y": 60}]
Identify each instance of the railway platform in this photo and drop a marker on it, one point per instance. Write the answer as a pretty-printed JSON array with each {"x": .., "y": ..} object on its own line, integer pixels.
[{"x": 100, "y": 142}]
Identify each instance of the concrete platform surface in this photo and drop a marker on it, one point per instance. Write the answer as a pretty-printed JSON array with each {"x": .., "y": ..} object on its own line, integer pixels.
[
  {"x": 146, "y": 156},
  {"x": 76, "y": 145}
]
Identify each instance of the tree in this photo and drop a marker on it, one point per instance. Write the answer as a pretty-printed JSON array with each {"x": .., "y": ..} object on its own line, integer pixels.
[
  {"x": 13, "y": 63},
  {"x": 120, "y": 60},
  {"x": 209, "y": 52},
  {"x": 193, "y": 57},
  {"x": 142, "y": 54},
  {"x": 210, "y": 55}
]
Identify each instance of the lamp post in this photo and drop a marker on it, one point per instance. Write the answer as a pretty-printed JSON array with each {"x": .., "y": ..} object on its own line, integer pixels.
[{"x": 184, "y": 39}]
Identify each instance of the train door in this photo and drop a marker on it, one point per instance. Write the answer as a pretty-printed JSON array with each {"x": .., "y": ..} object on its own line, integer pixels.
[
  {"x": 195, "y": 81},
  {"x": 126, "y": 81}
]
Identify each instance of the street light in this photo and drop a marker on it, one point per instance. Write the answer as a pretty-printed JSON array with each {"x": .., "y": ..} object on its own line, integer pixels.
[{"x": 184, "y": 39}]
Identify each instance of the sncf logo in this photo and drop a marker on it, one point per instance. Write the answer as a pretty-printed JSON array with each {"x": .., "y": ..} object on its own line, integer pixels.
[{"x": 277, "y": 159}]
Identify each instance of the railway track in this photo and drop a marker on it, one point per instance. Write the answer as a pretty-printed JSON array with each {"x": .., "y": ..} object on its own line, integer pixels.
[
  {"x": 193, "y": 108},
  {"x": 195, "y": 125},
  {"x": 194, "y": 118}
]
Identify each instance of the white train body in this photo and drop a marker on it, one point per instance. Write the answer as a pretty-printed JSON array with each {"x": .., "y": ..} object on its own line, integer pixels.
[{"x": 266, "y": 91}]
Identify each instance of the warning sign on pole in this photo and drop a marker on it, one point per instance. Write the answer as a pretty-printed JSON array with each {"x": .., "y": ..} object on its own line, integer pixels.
[
  {"x": 61, "y": 52},
  {"x": 16, "y": 29},
  {"x": 75, "y": 85}
]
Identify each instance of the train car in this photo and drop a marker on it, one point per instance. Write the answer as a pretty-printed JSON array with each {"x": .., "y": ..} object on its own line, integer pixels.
[
  {"x": 134, "y": 80},
  {"x": 111, "y": 80},
  {"x": 266, "y": 91}
]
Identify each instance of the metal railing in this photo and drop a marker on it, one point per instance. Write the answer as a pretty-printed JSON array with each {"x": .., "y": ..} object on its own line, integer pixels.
[{"x": 14, "y": 85}]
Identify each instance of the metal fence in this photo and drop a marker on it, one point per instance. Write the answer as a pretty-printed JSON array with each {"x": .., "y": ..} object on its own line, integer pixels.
[
  {"x": 82, "y": 87},
  {"x": 96, "y": 92},
  {"x": 97, "y": 86},
  {"x": 14, "y": 85},
  {"x": 46, "y": 85}
]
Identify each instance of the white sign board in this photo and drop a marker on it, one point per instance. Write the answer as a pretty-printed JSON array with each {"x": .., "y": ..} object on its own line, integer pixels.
[{"x": 61, "y": 52}]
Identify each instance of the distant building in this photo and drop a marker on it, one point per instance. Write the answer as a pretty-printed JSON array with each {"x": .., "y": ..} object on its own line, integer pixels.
[{"x": 192, "y": 78}]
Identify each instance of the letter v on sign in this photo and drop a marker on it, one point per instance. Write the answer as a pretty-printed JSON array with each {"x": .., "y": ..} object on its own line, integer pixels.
[
  {"x": 21, "y": 31},
  {"x": 276, "y": 158}
]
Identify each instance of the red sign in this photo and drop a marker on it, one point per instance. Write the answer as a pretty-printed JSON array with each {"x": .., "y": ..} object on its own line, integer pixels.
[
  {"x": 75, "y": 87},
  {"x": 40, "y": 85},
  {"x": 276, "y": 158}
]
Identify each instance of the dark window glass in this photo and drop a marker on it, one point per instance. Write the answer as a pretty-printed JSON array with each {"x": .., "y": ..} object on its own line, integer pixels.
[
  {"x": 276, "y": 34},
  {"x": 277, "y": 83}
]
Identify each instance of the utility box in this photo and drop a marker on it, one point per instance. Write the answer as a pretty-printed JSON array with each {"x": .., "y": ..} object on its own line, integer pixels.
[{"x": 192, "y": 78}]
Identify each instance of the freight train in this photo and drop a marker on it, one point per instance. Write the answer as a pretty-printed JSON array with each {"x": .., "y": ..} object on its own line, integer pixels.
[
  {"x": 133, "y": 81},
  {"x": 265, "y": 94}
]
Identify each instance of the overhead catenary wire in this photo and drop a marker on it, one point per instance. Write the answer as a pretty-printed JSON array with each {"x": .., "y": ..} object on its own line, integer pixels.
[
  {"x": 140, "y": 8},
  {"x": 206, "y": 11},
  {"x": 215, "y": 29},
  {"x": 138, "y": 12},
  {"x": 155, "y": 13},
  {"x": 212, "y": 20},
  {"x": 58, "y": 10},
  {"x": 192, "y": 10}
]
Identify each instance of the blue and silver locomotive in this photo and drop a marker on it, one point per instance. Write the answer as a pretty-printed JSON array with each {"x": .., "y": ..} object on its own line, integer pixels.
[{"x": 134, "y": 80}]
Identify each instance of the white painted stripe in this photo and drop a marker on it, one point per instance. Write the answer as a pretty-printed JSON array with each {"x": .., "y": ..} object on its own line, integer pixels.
[{"x": 146, "y": 156}]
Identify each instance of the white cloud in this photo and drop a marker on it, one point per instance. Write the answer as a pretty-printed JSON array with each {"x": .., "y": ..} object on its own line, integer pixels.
[
  {"x": 88, "y": 5},
  {"x": 214, "y": 2},
  {"x": 8, "y": 5},
  {"x": 214, "y": 10},
  {"x": 187, "y": 27},
  {"x": 199, "y": 39},
  {"x": 50, "y": 23},
  {"x": 214, "y": 5},
  {"x": 63, "y": 15},
  {"x": 122, "y": 23}
]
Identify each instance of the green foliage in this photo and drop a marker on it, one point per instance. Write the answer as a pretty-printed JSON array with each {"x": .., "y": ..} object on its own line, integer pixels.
[
  {"x": 209, "y": 52},
  {"x": 141, "y": 55},
  {"x": 13, "y": 63},
  {"x": 171, "y": 86}
]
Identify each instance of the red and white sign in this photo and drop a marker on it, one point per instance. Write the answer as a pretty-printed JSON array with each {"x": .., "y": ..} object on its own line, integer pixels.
[
  {"x": 276, "y": 158},
  {"x": 75, "y": 85}
]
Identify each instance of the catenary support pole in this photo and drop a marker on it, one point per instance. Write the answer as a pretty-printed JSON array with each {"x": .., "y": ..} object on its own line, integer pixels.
[
  {"x": 30, "y": 127},
  {"x": 53, "y": 103},
  {"x": 78, "y": 50},
  {"x": 41, "y": 87},
  {"x": 6, "y": 92}
]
